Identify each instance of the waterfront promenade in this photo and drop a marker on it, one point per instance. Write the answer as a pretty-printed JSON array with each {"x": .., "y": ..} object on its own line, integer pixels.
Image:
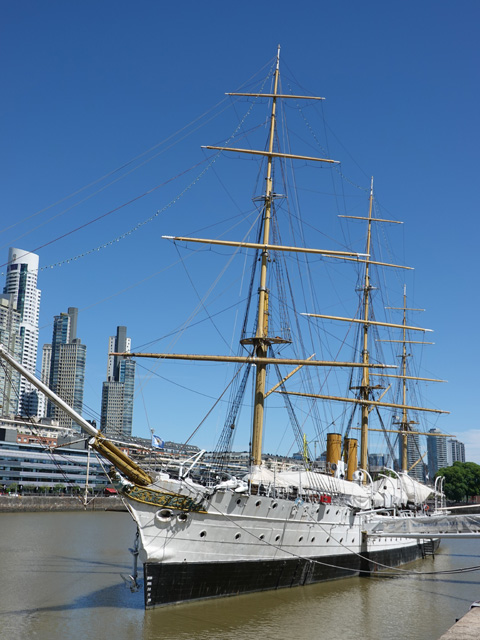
[
  {"x": 13, "y": 504},
  {"x": 467, "y": 627}
]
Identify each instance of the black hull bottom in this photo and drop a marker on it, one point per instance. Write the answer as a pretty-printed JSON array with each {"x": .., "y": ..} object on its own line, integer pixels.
[{"x": 174, "y": 583}]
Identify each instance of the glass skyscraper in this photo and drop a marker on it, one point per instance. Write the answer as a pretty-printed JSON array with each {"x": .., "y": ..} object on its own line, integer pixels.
[
  {"x": 437, "y": 453},
  {"x": 63, "y": 366}
]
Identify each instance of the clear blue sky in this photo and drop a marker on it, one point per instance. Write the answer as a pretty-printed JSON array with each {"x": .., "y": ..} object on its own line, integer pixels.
[{"x": 87, "y": 87}]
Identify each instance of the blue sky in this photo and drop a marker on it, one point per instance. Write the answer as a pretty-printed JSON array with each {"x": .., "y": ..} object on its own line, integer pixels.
[{"x": 89, "y": 88}]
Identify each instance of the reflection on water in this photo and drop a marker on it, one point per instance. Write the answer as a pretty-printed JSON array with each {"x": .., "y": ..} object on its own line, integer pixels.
[{"x": 61, "y": 578}]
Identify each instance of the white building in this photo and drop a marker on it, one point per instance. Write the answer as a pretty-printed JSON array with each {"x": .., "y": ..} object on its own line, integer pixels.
[
  {"x": 11, "y": 339},
  {"x": 21, "y": 285},
  {"x": 455, "y": 451}
]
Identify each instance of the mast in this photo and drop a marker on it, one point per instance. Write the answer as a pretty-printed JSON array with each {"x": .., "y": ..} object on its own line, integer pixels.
[
  {"x": 365, "y": 386},
  {"x": 260, "y": 341},
  {"x": 404, "y": 423},
  {"x": 404, "y": 426},
  {"x": 363, "y": 398}
]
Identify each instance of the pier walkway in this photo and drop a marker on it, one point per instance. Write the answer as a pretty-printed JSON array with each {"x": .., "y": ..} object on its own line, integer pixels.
[{"x": 467, "y": 628}]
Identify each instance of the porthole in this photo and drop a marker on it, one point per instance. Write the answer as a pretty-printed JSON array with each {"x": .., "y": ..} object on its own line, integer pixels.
[
  {"x": 274, "y": 505},
  {"x": 328, "y": 539},
  {"x": 203, "y": 534},
  {"x": 328, "y": 510},
  {"x": 341, "y": 540},
  {"x": 258, "y": 503},
  {"x": 261, "y": 536},
  {"x": 277, "y": 538},
  {"x": 300, "y": 539},
  {"x": 337, "y": 512},
  {"x": 313, "y": 539},
  {"x": 182, "y": 517},
  {"x": 239, "y": 501},
  {"x": 237, "y": 536},
  {"x": 164, "y": 515}
]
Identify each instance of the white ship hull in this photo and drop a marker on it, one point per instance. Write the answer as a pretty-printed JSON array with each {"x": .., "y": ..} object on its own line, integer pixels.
[{"x": 243, "y": 543}]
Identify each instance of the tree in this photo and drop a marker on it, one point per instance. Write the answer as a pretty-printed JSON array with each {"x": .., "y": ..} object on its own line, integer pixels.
[{"x": 462, "y": 480}]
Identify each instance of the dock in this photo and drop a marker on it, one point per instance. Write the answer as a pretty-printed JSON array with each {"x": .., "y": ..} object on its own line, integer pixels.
[
  {"x": 17, "y": 504},
  {"x": 467, "y": 627}
]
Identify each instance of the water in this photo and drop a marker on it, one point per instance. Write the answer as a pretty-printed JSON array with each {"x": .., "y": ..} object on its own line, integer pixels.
[{"x": 61, "y": 578}]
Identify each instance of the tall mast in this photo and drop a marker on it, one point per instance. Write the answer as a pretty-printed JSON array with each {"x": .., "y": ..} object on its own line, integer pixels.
[
  {"x": 260, "y": 341},
  {"x": 405, "y": 425},
  {"x": 365, "y": 387}
]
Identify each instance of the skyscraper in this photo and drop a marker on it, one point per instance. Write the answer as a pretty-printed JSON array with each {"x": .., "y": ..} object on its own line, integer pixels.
[
  {"x": 118, "y": 389},
  {"x": 11, "y": 339},
  {"x": 63, "y": 366},
  {"x": 455, "y": 451},
  {"x": 437, "y": 453},
  {"x": 21, "y": 285}
]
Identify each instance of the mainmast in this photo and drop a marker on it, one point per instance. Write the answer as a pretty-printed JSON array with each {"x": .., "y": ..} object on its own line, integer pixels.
[{"x": 260, "y": 342}]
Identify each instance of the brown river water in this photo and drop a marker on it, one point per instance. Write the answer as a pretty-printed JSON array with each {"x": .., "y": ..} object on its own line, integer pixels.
[{"x": 61, "y": 577}]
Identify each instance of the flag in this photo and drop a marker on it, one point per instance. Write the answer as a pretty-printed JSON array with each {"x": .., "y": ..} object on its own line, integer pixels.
[{"x": 157, "y": 442}]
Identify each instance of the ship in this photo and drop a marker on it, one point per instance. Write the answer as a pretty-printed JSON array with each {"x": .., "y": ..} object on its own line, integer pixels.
[{"x": 205, "y": 533}]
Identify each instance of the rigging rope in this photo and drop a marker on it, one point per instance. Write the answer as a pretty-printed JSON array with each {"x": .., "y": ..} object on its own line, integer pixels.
[{"x": 151, "y": 218}]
